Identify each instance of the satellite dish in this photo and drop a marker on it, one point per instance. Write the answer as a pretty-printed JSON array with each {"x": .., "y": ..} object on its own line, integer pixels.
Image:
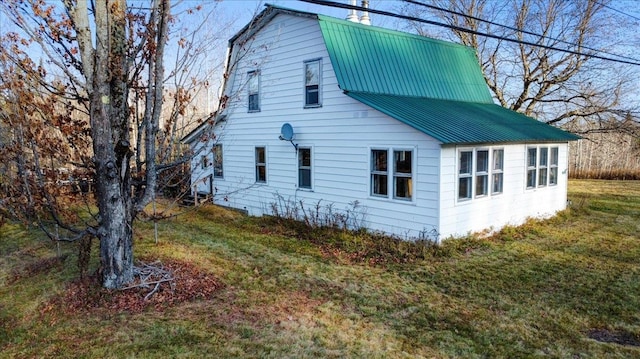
[{"x": 286, "y": 132}]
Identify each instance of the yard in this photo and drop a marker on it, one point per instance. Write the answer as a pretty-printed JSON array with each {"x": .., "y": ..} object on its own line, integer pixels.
[{"x": 568, "y": 287}]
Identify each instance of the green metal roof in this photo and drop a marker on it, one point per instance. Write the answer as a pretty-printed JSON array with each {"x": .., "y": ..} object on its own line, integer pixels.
[
  {"x": 437, "y": 87},
  {"x": 372, "y": 59},
  {"x": 458, "y": 122}
]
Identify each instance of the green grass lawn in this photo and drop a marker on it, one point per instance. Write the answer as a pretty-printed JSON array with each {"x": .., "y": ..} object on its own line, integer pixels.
[{"x": 543, "y": 289}]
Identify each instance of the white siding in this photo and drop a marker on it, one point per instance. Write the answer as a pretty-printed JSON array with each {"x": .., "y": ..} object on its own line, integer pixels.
[
  {"x": 201, "y": 177},
  {"x": 341, "y": 134},
  {"x": 513, "y": 206}
]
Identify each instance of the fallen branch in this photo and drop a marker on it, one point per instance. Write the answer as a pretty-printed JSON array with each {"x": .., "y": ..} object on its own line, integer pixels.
[{"x": 148, "y": 275}]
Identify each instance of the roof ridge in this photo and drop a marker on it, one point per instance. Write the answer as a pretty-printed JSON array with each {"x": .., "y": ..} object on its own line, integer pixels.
[{"x": 328, "y": 18}]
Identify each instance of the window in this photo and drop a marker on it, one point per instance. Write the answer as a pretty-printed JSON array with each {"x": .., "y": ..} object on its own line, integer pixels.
[
  {"x": 553, "y": 166},
  {"x": 402, "y": 176},
  {"x": 312, "y": 85},
  {"x": 304, "y": 168},
  {"x": 482, "y": 173},
  {"x": 379, "y": 173},
  {"x": 261, "y": 165},
  {"x": 497, "y": 177},
  {"x": 542, "y": 166},
  {"x": 477, "y": 169},
  {"x": 532, "y": 153},
  {"x": 217, "y": 161},
  {"x": 402, "y": 184},
  {"x": 465, "y": 170},
  {"x": 253, "y": 91},
  {"x": 204, "y": 162}
]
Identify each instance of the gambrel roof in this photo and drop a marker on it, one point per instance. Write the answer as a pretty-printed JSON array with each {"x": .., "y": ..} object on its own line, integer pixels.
[{"x": 434, "y": 86}]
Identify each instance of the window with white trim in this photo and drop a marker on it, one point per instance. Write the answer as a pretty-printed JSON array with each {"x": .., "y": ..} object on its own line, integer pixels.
[
  {"x": 304, "y": 167},
  {"x": 465, "y": 175},
  {"x": 312, "y": 83},
  {"x": 392, "y": 168},
  {"x": 204, "y": 162},
  {"x": 553, "y": 166},
  {"x": 497, "y": 171},
  {"x": 402, "y": 174},
  {"x": 253, "y": 91},
  {"x": 217, "y": 161},
  {"x": 532, "y": 160},
  {"x": 480, "y": 172},
  {"x": 542, "y": 166},
  {"x": 379, "y": 173},
  {"x": 261, "y": 165}
]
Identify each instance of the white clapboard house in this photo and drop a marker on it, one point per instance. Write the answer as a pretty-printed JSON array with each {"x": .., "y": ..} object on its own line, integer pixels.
[{"x": 333, "y": 112}]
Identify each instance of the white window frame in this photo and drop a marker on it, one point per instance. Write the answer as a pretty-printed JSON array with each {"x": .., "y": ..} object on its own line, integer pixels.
[
  {"x": 481, "y": 173},
  {"x": 467, "y": 175},
  {"x": 543, "y": 167},
  {"x": 553, "y": 165},
  {"x": 253, "y": 89},
  {"x": 497, "y": 172},
  {"x": 218, "y": 161},
  {"x": 204, "y": 162},
  {"x": 259, "y": 164},
  {"x": 376, "y": 173},
  {"x": 309, "y": 167},
  {"x": 531, "y": 167},
  {"x": 306, "y": 86},
  {"x": 392, "y": 174},
  {"x": 474, "y": 176}
]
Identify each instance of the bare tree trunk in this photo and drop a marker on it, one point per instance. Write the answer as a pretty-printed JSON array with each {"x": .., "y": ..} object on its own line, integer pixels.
[{"x": 111, "y": 146}]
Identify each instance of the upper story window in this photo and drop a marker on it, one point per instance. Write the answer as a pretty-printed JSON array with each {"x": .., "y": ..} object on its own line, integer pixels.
[
  {"x": 304, "y": 167},
  {"x": 400, "y": 179},
  {"x": 312, "y": 83},
  {"x": 261, "y": 164},
  {"x": 480, "y": 172},
  {"x": 253, "y": 91},
  {"x": 217, "y": 161},
  {"x": 542, "y": 166}
]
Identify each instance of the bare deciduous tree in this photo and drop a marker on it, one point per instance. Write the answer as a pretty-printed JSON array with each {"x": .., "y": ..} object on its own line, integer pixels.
[
  {"x": 560, "y": 88},
  {"x": 94, "y": 102}
]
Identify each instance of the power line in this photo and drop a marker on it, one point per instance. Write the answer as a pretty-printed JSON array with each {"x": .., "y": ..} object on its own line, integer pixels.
[
  {"x": 516, "y": 29},
  {"x": 618, "y": 11},
  {"x": 462, "y": 29}
]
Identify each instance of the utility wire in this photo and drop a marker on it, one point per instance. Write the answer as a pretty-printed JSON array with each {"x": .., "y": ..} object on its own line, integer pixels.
[
  {"x": 516, "y": 29},
  {"x": 462, "y": 29},
  {"x": 618, "y": 11}
]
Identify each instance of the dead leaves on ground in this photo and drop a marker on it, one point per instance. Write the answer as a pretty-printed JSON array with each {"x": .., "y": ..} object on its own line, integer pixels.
[{"x": 190, "y": 283}]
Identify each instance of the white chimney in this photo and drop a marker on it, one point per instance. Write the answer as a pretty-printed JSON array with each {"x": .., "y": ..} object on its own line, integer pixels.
[
  {"x": 365, "y": 20},
  {"x": 353, "y": 16}
]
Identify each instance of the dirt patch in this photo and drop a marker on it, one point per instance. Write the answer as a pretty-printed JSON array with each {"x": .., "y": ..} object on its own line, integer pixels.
[
  {"x": 189, "y": 283},
  {"x": 614, "y": 336}
]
